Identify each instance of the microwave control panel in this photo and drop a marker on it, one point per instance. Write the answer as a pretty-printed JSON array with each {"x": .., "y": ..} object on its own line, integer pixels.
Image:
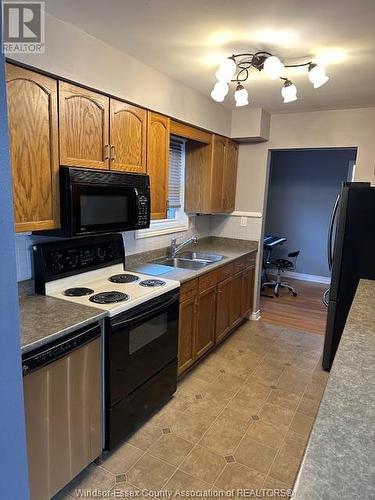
[{"x": 143, "y": 211}]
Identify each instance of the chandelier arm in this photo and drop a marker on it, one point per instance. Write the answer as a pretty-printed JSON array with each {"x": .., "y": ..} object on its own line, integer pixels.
[
  {"x": 238, "y": 77},
  {"x": 297, "y": 65}
]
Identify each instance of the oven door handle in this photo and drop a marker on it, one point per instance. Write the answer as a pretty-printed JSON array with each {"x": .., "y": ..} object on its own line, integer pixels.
[{"x": 141, "y": 317}]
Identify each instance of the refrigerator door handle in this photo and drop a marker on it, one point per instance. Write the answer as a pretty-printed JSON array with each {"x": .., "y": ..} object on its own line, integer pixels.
[{"x": 330, "y": 233}]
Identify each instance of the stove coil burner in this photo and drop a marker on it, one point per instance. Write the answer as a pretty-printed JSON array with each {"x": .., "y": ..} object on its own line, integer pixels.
[
  {"x": 78, "y": 292},
  {"x": 109, "y": 297},
  {"x": 152, "y": 283},
  {"x": 124, "y": 278}
]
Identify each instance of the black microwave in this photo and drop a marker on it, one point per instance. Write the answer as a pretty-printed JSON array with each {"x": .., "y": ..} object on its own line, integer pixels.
[{"x": 102, "y": 201}]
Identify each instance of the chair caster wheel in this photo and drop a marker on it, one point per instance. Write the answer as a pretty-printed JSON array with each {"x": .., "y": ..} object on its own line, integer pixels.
[{"x": 294, "y": 294}]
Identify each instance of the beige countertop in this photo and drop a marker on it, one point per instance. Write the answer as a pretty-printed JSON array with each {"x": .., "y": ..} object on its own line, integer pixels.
[
  {"x": 339, "y": 462},
  {"x": 230, "y": 248}
]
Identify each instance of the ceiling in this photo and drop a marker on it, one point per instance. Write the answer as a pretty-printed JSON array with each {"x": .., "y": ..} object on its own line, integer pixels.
[{"x": 188, "y": 39}]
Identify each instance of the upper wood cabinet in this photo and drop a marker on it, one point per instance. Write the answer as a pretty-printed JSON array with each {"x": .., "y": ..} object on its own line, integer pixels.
[
  {"x": 219, "y": 154},
  {"x": 83, "y": 127},
  {"x": 33, "y": 134},
  {"x": 230, "y": 177},
  {"x": 128, "y": 130},
  {"x": 211, "y": 176},
  {"x": 158, "y": 136}
]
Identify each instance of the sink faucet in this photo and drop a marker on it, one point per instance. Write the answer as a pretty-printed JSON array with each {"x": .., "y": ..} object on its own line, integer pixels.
[{"x": 174, "y": 248}]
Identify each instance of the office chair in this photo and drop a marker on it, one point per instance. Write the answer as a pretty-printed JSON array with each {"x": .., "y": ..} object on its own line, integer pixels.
[{"x": 282, "y": 265}]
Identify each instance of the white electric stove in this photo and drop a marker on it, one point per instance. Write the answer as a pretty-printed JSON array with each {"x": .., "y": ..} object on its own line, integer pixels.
[{"x": 111, "y": 289}]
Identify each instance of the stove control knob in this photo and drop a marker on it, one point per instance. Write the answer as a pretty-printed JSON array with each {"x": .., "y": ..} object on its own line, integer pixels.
[{"x": 101, "y": 253}]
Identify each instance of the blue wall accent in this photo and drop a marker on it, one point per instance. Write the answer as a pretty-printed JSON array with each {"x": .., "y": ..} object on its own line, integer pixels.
[
  {"x": 302, "y": 189},
  {"x": 13, "y": 463}
]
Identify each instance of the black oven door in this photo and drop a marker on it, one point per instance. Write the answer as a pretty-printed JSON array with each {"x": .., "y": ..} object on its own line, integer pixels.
[
  {"x": 103, "y": 208},
  {"x": 139, "y": 343}
]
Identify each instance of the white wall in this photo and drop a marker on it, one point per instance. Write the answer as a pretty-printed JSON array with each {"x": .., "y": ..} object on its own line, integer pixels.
[
  {"x": 318, "y": 129},
  {"x": 75, "y": 55}
]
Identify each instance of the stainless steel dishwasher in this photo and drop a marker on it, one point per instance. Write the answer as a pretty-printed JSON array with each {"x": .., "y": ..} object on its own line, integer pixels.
[{"x": 63, "y": 409}]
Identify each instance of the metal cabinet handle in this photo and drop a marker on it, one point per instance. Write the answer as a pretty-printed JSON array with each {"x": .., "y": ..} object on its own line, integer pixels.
[
  {"x": 106, "y": 151},
  {"x": 113, "y": 153}
]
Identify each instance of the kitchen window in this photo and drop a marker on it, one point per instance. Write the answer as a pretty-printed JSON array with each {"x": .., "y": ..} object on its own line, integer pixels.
[{"x": 177, "y": 220}]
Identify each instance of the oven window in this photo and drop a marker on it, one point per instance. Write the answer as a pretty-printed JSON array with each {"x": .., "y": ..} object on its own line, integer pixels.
[
  {"x": 103, "y": 209},
  {"x": 147, "y": 332}
]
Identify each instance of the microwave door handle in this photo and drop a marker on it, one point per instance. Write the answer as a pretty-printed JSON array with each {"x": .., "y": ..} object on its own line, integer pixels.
[
  {"x": 145, "y": 315},
  {"x": 330, "y": 233}
]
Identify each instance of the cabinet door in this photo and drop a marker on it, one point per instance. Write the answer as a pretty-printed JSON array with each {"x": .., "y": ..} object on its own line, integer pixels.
[
  {"x": 218, "y": 168},
  {"x": 186, "y": 334},
  {"x": 128, "y": 129},
  {"x": 247, "y": 291},
  {"x": 223, "y": 322},
  {"x": 84, "y": 129},
  {"x": 33, "y": 129},
  {"x": 205, "y": 336},
  {"x": 157, "y": 163},
  {"x": 230, "y": 177},
  {"x": 235, "y": 299}
]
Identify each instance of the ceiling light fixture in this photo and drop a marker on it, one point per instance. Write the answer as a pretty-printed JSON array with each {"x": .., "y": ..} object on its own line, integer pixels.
[{"x": 236, "y": 68}]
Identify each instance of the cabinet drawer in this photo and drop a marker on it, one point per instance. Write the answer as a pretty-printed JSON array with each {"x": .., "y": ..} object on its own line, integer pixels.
[
  {"x": 207, "y": 281},
  {"x": 250, "y": 260},
  {"x": 239, "y": 265},
  {"x": 188, "y": 289},
  {"x": 224, "y": 272}
]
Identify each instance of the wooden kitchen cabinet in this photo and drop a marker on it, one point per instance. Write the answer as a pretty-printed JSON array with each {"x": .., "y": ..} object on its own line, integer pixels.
[
  {"x": 235, "y": 299},
  {"x": 223, "y": 322},
  {"x": 247, "y": 291},
  {"x": 219, "y": 154},
  {"x": 83, "y": 127},
  {"x": 230, "y": 177},
  {"x": 211, "y": 176},
  {"x": 128, "y": 131},
  {"x": 211, "y": 306},
  {"x": 205, "y": 335},
  {"x": 186, "y": 334},
  {"x": 33, "y": 136},
  {"x": 158, "y": 136}
]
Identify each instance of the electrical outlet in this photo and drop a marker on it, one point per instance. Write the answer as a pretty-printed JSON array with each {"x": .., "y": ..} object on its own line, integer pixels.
[{"x": 243, "y": 221}]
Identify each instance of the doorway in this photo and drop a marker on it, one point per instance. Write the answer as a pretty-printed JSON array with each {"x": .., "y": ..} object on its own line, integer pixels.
[{"x": 302, "y": 188}]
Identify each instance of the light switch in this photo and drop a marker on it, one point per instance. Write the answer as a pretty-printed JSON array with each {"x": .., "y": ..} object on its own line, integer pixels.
[{"x": 243, "y": 221}]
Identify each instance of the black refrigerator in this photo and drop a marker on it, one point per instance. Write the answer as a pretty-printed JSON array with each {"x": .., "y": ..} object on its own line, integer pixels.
[{"x": 351, "y": 257}]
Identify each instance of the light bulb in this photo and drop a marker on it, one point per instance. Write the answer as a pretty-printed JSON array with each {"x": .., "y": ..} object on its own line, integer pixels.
[
  {"x": 289, "y": 92},
  {"x": 221, "y": 88},
  {"x": 217, "y": 96},
  {"x": 241, "y": 96},
  {"x": 273, "y": 67},
  {"x": 226, "y": 70},
  {"x": 317, "y": 75}
]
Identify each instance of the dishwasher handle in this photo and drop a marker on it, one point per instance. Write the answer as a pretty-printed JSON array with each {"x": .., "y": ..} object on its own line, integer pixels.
[{"x": 59, "y": 348}]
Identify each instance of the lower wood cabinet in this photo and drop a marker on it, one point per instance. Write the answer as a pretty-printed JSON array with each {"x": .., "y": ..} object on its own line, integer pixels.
[
  {"x": 211, "y": 307},
  {"x": 235, "y": 299},
  {"x": 247, "y": 290},
  {"x": 187, "y": 329},
  {"x": 223, "y": 323},
  {"x": 205, "y": 335}
]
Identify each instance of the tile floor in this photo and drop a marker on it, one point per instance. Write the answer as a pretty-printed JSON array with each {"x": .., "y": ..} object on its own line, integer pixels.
[{"x": 240, "y": 419}]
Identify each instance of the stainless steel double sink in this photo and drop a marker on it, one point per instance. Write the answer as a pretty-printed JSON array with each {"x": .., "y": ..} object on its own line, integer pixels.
[{"x": 191, "y": 260}]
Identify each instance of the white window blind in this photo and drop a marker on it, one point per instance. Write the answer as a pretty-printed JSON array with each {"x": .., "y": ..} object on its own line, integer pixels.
[{"x": 176, "y": 164}]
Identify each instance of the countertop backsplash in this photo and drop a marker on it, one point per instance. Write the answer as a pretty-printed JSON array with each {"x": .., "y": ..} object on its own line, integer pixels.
[{"x": 226, "y": 226}]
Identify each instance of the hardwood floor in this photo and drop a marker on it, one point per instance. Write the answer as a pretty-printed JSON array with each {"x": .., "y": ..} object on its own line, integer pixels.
[{"x": 305, "y": 312}]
